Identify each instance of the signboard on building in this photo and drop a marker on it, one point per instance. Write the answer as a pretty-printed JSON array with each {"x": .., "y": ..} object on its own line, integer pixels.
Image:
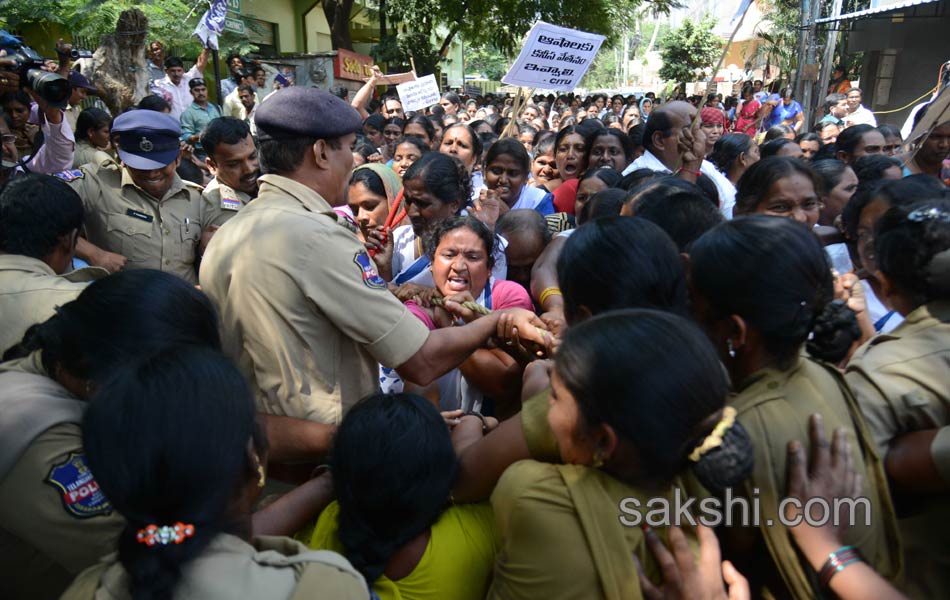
[
  {"x": 350, "y": 65},
  {"x": 234, "y": 6},
  {"x": 234, "y": 25},
  {"x": 554, "y": 58},
  {"x": 419, "y": 94}
]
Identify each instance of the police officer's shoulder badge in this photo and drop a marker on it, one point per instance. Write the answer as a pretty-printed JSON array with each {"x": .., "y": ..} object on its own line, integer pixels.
[
  {"x": 81, "y": 495},
  {"x": 70, "y": 175},
  {"x": 368, "y": 270}
]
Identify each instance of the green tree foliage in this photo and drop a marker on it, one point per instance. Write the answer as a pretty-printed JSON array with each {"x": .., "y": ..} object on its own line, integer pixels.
[
  {"x": 689, "y": 49},
  {"x": 602, "y": 72},
  {"x": 90, "y": 19},
  {"x": 778, "y": 44},
  {"x": 487, "y": 61},
  {"x": 500, "y": 24}
]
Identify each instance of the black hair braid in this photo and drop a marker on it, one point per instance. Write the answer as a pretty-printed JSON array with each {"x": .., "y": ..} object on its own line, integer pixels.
[
  {"x": 835, "y": 330},
  {"x": 729, "y": 464},
  {"x": 365, "y": 549},
  {"x": 156, "y": 570},
  {"x": 464, "y": 181}
]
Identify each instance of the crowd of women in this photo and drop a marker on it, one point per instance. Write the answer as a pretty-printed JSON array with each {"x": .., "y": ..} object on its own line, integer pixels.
[{"x": 757, "y": 316}]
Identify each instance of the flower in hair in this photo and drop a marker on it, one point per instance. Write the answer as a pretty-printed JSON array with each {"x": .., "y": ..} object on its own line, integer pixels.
[
  {"x": 931, "y": 213},
  {"x": 714, "y": 439},
  {"x": 163, "y": 535}
]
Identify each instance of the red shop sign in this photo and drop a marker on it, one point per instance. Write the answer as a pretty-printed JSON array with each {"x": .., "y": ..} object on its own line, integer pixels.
[{"x": 350, "y": 65}]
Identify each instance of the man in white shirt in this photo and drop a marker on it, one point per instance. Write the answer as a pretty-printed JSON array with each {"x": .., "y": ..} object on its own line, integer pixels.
[
  {"x": 661, "y": 138},
  {"x": 233, "y": 107},
  {"x": 176, "y": 81},
  {"x": 857, "y": 114}
]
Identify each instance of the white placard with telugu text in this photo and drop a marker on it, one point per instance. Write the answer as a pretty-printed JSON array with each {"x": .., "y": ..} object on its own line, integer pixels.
[
  {"x": 554, "y": 58},
  {"x": 419, "y": 94}
]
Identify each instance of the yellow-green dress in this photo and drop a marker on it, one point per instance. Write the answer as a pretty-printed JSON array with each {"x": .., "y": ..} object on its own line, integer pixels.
[{"x": 457, "y": 562}]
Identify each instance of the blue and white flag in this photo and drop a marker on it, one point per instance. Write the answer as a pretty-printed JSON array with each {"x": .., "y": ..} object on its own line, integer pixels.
[
  {"x": 743, "y": 6},
  {"x": 212, "y": 24}
]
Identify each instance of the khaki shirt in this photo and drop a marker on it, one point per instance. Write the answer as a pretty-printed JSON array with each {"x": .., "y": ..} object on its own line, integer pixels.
[
  {"x": 221, "y": 202},
  {"x": 54, "y": 521},
  {"x": 30, "y": 291},
  {"x": 86, "y": 153},
  {"x": 303, "y": 310},
  {"x": 902, "y": 383},
  {"x": 152, "y": 234},
  {"x": 774, "y": 407},
  {"x": 274, "y": 568},
  {"x": 902, "y": 379}
]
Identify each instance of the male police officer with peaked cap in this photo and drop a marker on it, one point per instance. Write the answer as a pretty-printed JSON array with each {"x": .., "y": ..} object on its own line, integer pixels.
[
  {"x": 303, "y": 310},
  {"x": 141, "y": 215}
]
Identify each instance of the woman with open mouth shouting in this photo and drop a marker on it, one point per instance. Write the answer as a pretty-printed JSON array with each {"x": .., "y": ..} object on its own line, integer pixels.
[
  {"x": 461, "y": 253},
  {"x": 570, "y": 151}
]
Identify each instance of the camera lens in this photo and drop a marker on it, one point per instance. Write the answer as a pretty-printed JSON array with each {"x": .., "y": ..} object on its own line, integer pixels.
[{"x": 52, "y": 88}]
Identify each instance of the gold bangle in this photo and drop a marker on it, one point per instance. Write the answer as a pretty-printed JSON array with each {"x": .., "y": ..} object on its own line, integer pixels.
[{"x": 548, "y": 292}]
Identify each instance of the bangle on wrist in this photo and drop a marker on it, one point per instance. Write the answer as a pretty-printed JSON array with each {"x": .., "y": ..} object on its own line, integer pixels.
[
  {"x": 837, "y": 561},
  {"x": 547, "y": 293},
  {"x": 690, "y": 171},
  {"x": 473, "y": 413}
]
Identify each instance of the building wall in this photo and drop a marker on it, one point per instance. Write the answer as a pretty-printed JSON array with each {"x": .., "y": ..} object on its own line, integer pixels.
[
  {"x": 317, "y": 31},
  {"x": 902, "y": 59},
  {"x": 280, "y": 12}
]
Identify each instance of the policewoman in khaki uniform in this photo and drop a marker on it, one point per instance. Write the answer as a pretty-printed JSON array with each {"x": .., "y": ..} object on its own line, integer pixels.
[
  {"x": 189, "y": 525},
  {"x": 759, "y": 286},
  {"x": 233, "y": 158},
  {"x": 303, "y": 310},
  {"x": 54, "y": 520},
  {"x": 902, "y": 383},
  {"x": 143, "y": 214},
  {"x": 40, "y": 220}
]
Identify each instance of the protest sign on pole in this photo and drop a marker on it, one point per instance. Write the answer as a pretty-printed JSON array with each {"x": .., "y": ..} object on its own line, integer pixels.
[
  {"x": 419, "y": 94},
  {"x": 553, "y": 58}
]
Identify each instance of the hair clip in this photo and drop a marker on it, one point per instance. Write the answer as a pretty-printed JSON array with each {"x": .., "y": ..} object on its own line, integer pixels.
[
  {"x": 165, "y": 534},
  {"x": 931, "y": 213}
]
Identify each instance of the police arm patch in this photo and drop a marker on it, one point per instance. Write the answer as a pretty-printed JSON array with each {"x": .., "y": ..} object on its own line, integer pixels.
[
  {"x": 78, "y": 489},
  {"x": 70, "y": 175},
  {"x": 371, "y": 278}
]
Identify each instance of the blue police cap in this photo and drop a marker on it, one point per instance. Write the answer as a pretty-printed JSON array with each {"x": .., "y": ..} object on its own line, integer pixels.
[
  {"x": 147, "y": 139},
  {"x": 305, "y": 112}
]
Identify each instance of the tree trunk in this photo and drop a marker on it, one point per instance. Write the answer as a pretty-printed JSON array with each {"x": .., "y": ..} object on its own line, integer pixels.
[
  {"x": 447, "y": 42},
  {"x": 337, "y": 13},
  {"x": 637, "y": 39},
  {"x": 656, "y": 30},
  {"x": 118, "y": 66}
]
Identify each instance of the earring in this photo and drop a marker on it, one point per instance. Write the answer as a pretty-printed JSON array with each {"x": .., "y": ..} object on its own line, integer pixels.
[
  {"x": 598, "y": 459},
  {"x": 732, "y": 351},
  {"x": 261, "y": 477}
]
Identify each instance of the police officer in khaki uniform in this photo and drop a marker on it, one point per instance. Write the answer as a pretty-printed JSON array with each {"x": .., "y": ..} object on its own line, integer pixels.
[
  {"x": 54, "y": 522},
  {"x": 54, "y": 519},
  {"x": 902, "y": 382},
  {"x": 142, "y": 215},
  {"x": 233, "y": 158},
  {"x": 40, "y": 220},
  {"x": 303, "y": 310}
]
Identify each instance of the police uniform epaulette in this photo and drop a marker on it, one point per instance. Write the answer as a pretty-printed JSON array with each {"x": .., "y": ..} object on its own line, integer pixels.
[{"x": 192, "y": 184}]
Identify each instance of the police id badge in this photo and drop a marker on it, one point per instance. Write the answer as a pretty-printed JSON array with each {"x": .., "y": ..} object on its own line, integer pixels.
[
  {"x": 228, "y": 202},
  {"x": 370, "y": 277},
  {"x": 81, "y": 495},
  {"x": 70, "y": 175}
]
